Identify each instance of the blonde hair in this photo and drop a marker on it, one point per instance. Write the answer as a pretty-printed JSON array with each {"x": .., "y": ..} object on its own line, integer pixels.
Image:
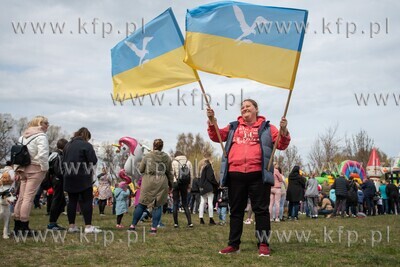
[{"x": 37, "y": 121}]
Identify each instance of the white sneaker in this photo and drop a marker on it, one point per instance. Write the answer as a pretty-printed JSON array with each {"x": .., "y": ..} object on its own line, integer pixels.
[
  {"x": 74, "y": 229},
  {"x": 277, "y": 220},
  {"x": 92, "y": 230}
]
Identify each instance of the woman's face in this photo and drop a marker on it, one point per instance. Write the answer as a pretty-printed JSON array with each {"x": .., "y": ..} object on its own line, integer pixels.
[
  {"x": 44, "y": 125},
  {"x": 249, "y": 111}
]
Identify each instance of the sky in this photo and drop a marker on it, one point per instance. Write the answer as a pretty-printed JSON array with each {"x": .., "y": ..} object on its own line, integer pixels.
[{"x": 351, "y": 49}]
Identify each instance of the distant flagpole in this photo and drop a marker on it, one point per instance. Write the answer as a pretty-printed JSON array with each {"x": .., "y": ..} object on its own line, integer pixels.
[
  {"x": 208, "y": 106},
  {"x": 279, "y": 133}
]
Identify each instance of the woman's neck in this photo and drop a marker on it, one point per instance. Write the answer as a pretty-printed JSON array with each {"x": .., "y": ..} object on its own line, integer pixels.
[{"x": 250, "y": 121}]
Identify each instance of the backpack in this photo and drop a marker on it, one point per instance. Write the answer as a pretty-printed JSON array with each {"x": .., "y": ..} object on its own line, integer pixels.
[
  {"x": 55, "y": 170},
  {"x": 20, "y": 154},
  {"x": 184, "y": 174},
  {"x": 56, "y": 165}
]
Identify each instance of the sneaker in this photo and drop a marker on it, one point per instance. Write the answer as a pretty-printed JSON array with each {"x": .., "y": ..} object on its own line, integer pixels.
[
  {"x": 102, "y": 214},
  {"x": 74, "y": 229},
  {"x": 222, "y": 223},
  {"x": 92, "y": 230},
  {"x": 132, "y": 228},
  {"x": 263, "y": 251},
  {"x": 55, "y": 227},
  {"x": 190, "y": 225},
  {"x": 176, "y": 225},
  {"x": 153, "y": 231},
  {"x": 277, "y": 220},
  {"x": 119, "y": 226},
  {"x": 161, "y": 225},
  {"x": 229, "y": 250}
]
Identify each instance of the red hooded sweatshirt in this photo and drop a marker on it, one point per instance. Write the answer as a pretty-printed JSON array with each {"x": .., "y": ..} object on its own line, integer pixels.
[{"x": 245, "y": 153}]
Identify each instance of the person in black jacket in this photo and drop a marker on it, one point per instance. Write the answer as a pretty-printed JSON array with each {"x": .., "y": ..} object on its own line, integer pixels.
[
  {"x": 369, "y": 190},
  {"x": 79, "y": 161},
  {"x": 341, "y": 187},
  {"x": 393, "y": 195},
  {"x": 295, "y": 192},
  {"x": 352, "y": 198},
  {"x": 195, "y": 199},
  {"x": 58, "y": 203},
  {"x": 207, "y": 184}
]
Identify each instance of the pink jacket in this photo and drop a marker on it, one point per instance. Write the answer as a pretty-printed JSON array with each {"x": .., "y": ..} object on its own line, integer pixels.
[{"x": 245, "y": 153}]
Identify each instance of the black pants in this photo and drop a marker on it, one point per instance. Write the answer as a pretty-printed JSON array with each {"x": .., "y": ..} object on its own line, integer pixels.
[
  {"x": 36, "y": 200},
  {"x": 49, "y": 200},
  {"x": 351, "y": 208},
  {"x": 340, "y": 205},
  {"x": 102, "y": 205},
  {"x": 195, "y": 202},
  {"x": 119, "y": 218},
  {"x": 178, "y": 193},
  {"x": 393, "y": 205},
  {"x": 115, "y": 203},
  {"x": 58, "y": 203},
  {"x": 369, "y": 201},
  {"x": 240, "y": 187},
  {"x": 85, "y": 199}
]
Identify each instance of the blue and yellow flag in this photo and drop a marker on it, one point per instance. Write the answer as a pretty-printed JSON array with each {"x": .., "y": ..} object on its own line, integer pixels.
[
  {"x": 247, "y": 41},
  {"x": 151, "y": 59}
]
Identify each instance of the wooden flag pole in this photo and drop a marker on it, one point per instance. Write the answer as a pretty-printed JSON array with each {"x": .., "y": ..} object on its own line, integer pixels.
[
  {"x": 279, "y": 134},
  {"x": 214, "y": 122}
]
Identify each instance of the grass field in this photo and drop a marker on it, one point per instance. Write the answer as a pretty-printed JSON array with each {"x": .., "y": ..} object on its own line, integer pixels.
[{"x": 370, "y": 241}]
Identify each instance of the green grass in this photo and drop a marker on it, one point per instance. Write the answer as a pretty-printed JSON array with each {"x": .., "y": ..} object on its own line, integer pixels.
[{"x": 199, "y": 246}]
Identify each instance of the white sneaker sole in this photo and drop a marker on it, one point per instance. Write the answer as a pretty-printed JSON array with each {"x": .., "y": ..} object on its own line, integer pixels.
[{"x": 236, "y": 252}]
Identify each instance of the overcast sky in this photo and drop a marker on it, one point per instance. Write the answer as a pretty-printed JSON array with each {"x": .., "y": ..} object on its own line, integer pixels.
[{"x": 67, "y": 77}]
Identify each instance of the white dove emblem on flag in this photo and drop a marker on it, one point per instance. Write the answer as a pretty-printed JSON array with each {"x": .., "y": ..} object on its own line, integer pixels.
[
  {"x": 246, "y": 29},
  {"x": 140, "y": 53}
]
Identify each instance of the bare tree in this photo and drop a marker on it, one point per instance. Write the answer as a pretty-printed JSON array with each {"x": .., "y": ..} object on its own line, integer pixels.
[
  {"x": 19, "y": 127},
  {"x": 54, "y": 133},
  {"x": 291, "y": 158},
  {"x": 359, "y": 147},
  {"x": 111, "y": 160},
  {"x": 195, "y": 148},
  {"x": 6, "y": 135},
  {"x": 384, "y": 158},
  {"x": 325, "y": 151}
]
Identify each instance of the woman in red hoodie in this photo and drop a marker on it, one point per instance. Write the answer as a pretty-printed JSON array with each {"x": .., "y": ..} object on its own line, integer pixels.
[{"x": 249, "y": 143}]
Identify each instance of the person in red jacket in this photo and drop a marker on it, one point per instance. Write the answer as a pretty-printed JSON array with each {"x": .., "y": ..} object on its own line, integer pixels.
[{"x": 249, "y": 142}]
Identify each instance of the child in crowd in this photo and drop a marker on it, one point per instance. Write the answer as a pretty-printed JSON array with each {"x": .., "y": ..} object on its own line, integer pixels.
[
  {"x": 121, "y": 195},
  {"x": 222, "y": 204}
]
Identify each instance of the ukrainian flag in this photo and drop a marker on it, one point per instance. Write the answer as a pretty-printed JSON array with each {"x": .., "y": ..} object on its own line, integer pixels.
[
  {"x": 151, "y": 59},
  {"x": 247, "y": 41}
]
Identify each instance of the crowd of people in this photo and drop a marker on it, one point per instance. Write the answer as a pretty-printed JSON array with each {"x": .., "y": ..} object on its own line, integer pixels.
[{"x": 248, "y": 182}]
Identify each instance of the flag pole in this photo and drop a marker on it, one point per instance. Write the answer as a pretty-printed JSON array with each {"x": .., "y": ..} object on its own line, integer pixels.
[
  {"x": 214, "y": 122},
  {"x": 279, "y": 133}
]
